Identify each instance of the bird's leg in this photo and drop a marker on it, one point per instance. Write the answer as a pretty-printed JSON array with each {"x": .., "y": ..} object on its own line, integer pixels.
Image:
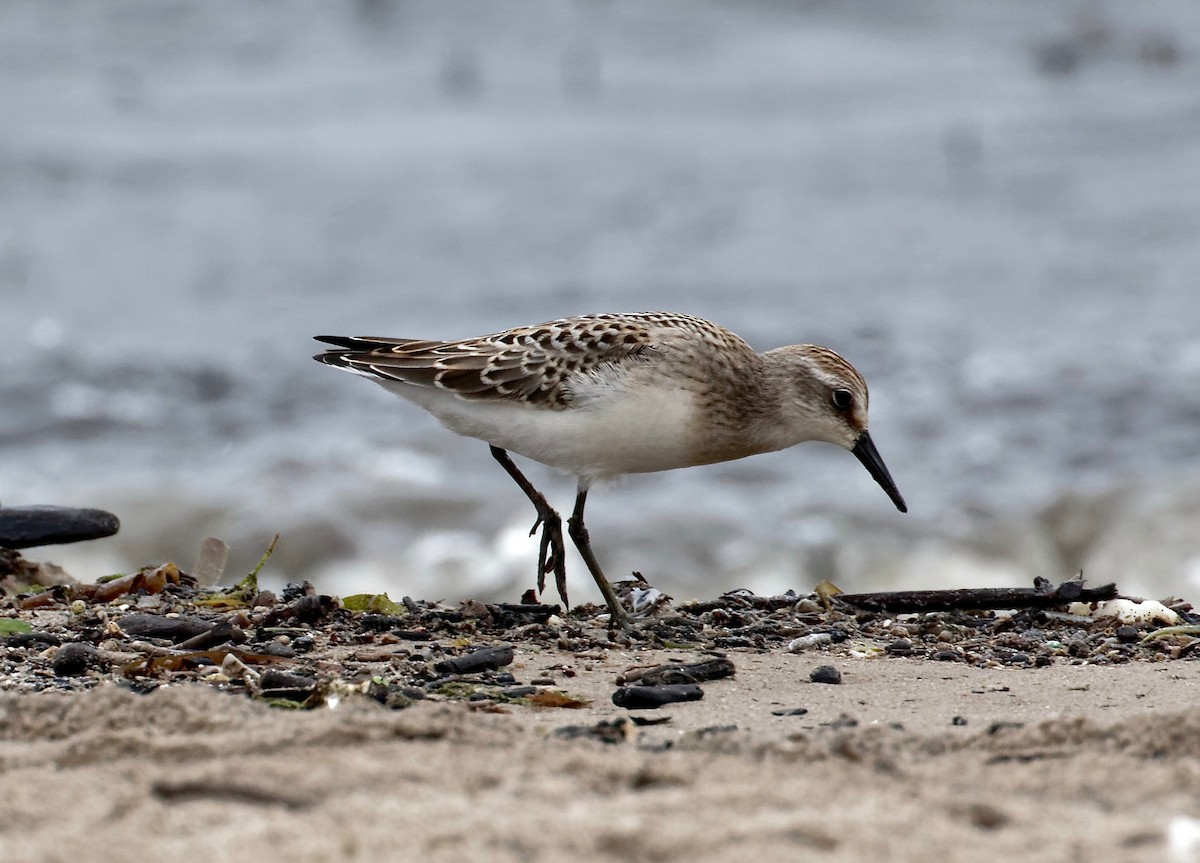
[
  {"x": 579, "y": 535},
  {"x": 552, "y": 552}
]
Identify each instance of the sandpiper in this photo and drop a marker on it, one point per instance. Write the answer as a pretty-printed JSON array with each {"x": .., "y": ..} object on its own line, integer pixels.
[{"x": 603, "y": 395}]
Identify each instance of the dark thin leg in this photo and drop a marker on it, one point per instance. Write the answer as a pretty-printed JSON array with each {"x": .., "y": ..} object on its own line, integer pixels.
[
  {"x": 579, "y": 535},
  {"x": 552, "y": 553}
]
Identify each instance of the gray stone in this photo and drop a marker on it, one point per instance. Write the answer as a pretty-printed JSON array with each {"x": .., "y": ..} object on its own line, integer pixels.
[{"x": 30, "y": 526}]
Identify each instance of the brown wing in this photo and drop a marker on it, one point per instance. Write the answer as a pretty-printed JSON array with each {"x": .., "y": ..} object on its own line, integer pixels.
[{"x": 529, "y": 364}]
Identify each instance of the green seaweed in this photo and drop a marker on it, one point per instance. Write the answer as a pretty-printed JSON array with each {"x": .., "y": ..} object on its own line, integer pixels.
[
  {"x": 12, "y": 626},
  {"x": 375, "y": 603},
  {"x": 457, "y": 689}
]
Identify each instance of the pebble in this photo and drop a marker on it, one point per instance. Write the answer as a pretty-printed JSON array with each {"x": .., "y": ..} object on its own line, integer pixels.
[
  {"x": 825, "y": 674},
  {"x": 484, "y": 659},
  {"x": 1127, "y": 634},
  {"x": 519, "y": 691},
  {"x": 73, "y": 659},
  {"x": 32, "y": 526},
  {"x": 816, "y": 639},
  {"x": 651, "y": 697},
  {"x": 303, "y": 643}
]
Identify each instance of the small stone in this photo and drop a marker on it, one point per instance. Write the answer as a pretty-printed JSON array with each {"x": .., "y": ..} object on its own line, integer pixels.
[
  {"x": 264, "y": 599},
  {"x": 292, "y": 591},
  {"x": 542, "y": 681},
  {"x": 903, "y": 647},
  {"x": 825, "y": 674},
  {"x": 484, "y": 659},
  {"x": 73, "y": 659},
  {"x": 1127, "y": 634},
  {"x": 1018, "y": 659},
  {"x": 958, "y": 720},
  {"x": 794, "y": 711},
  {"x": 518, "y": 691},
  {"x": 286, "y": 685},
  {"x": 275, "y": 648},
  {"x": 986, "y": 817},
  {"x": 380, "y": 622},
  {"x": 32, "y": 526},
  {"x": 651, "y": 697},
  {"x": 303, "y": 643}
]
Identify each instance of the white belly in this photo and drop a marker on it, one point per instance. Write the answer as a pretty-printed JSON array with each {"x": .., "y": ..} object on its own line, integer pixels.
[{"x": 612, "y": 431}]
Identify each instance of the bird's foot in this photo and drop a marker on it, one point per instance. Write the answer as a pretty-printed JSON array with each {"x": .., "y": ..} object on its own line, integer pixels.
[{"x": 552, "y": 552}]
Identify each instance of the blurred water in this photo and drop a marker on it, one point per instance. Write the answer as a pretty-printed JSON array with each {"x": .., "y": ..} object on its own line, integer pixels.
[{"x": 991, "y": 209}]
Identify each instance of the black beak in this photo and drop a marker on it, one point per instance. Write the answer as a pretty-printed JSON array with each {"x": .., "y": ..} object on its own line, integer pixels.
[{"x": 869, "y": 456}]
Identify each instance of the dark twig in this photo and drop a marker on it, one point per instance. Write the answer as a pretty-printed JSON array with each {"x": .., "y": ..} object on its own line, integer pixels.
[{"x": 967, "y": 599}]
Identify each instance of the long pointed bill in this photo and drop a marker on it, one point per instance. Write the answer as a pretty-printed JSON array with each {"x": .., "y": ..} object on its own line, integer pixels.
[{"x": 869, "y": 456}]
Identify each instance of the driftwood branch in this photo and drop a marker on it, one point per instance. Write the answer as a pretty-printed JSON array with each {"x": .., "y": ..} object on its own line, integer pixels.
[{"x": 1041, "y": 595}]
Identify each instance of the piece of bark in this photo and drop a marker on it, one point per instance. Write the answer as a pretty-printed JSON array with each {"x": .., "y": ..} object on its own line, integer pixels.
[
  {"x": 977, "y": 598},
  {"x": 672, "y": 673}
]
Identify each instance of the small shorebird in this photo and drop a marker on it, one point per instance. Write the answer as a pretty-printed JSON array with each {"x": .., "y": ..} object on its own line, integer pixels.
[{"x": 604, "y": 395}]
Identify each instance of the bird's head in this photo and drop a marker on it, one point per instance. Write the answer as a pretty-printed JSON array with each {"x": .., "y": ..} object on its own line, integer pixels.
[{"x": 825, "y": 398}]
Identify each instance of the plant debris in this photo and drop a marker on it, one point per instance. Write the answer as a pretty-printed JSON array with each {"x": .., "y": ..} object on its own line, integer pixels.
[{"x": 304, "y": 649}]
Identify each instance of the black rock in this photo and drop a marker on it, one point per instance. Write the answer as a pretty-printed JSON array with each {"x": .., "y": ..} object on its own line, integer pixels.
[
  {"x": 825, "y": 674},
  {"x": 485, "y": 659},
  {"x": 31, "y": 526},
  {"x": 794, "y": 711},
  {"x": 650, "y": 697},
  {"x": 380, "y": 622},
  {"x": 73, "y": 659},
  {"x": 303, "y": 643},
  {"x": 1127, "y": 634}
]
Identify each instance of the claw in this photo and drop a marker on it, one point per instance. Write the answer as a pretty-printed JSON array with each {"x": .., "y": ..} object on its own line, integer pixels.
[
  {"x": 560, "y": 583},
  {"x": 552, "y": 555}
]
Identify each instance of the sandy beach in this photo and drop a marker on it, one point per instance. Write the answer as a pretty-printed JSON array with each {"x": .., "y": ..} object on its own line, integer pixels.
[{"x": 905, "y": 759}]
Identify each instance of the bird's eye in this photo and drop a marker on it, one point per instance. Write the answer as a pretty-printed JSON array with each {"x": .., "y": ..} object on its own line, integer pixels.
[{"x": 843, "y": 399}]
